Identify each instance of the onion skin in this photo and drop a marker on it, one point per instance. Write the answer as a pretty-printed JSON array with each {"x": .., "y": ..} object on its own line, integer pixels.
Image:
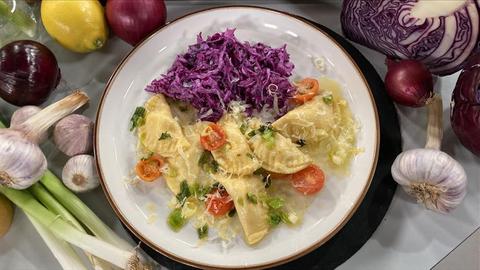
[
  {"x": 408, "y": 82},
  {"x": 465, "y": 106},
  {"x": 29, "y": 72},
  {"x": 132, "y": 21}
]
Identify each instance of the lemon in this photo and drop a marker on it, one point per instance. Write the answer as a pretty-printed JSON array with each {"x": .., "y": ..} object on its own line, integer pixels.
[{"x": 78, "y": 25}]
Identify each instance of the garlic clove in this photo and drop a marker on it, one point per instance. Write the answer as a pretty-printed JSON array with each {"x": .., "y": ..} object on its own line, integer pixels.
[
  {"x": 22, "y": 163},
  {"x": 432, "y": 176},
  {"x": 79, "y": 174},
  {"x": 22, "y": 114},
  {"x": 73, "y": 135}
]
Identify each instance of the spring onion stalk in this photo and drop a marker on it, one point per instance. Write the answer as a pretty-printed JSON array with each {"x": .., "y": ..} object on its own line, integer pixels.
[
  {"x": 81, "y": 211},
  {"x": 84, "y": 214},
  {"x": 54, "y": 206},
  {"x": 63, "y": 252},
  {"x": 20, "y": 19},
  {"x": 67, "y": 232}
]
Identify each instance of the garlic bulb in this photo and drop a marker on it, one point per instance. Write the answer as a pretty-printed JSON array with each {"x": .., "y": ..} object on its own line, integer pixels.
[
  {"x": 22, "y": 114},
  {"x": 79, "y": 174},
  {"x": 432, "y": 176},
  {"x": 14, "y": 171},
  {"x": 22, "y": 162},
  {"x": 73, "y": 135}
]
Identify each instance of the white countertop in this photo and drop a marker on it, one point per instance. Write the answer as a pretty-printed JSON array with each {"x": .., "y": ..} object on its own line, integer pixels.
[{"x": 409, "y": 237}]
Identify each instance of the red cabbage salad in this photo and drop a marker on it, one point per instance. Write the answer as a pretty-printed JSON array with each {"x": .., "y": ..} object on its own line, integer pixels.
[{"x": 221, "y": 69}]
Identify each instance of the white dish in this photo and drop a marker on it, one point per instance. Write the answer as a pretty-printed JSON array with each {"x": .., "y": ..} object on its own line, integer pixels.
[{"x": 115, "y": 145}]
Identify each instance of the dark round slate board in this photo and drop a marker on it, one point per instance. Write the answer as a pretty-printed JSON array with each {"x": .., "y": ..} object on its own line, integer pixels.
[{"x": 377, "y": 200}]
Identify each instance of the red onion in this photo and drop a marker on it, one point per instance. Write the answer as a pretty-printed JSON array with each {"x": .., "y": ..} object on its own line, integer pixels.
[
  {"x": 132, "y": 21},
  {"x": 408, "y": 82},
  {"x": 465, "y": 106},
  {"x": 28, "y": 73}
]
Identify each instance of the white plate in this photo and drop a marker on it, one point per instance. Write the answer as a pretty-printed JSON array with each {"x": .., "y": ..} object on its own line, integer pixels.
[{"x": 115, "y": 145}]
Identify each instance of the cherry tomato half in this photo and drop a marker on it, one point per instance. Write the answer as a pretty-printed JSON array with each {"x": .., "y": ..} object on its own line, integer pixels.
[
  {"x": 214, "y": 137},
  {"x": 307, "y": 89},
  {"x": 219, "y": 202},
  {"x": 149, "y": 169},
  {"x": 309, "y": 180}
]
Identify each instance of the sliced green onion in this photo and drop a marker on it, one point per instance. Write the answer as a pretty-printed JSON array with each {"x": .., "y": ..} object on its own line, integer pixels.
[
  {"x": 243, "y": 128},
  {"x": 202, "y": 231},
  {"x": 328, "y": 99},
  {"x": 184, "y": 192},
  {"x": 175, "y": 220},
  {"x": 275, "y": 202},
  {"x": 138, "y": 118},
  {"x": 62, "y": 251},
  {"x": 164, "y": 136},
  {"x": 252, "y": 198}
]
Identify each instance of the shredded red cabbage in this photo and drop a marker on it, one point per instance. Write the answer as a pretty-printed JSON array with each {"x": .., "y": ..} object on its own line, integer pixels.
[{"x": 221, "y": 69}]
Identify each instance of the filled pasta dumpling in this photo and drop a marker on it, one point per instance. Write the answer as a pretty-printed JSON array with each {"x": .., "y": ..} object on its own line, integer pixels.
[
  {"x": 253, "y": 215},
  {"x": 279, "y": 154},
  {"x": 235, "y": 156},
  {"x": 161, "y": 133},
  {"x": 184, "y": 165},
  {"x": 309, "y": 122}
]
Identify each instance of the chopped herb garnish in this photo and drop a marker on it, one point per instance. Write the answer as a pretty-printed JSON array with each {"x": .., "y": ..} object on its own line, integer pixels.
[
  {"x": 328, "y": 99},
  {"x": 208, "y": 163},
  {"x": 138, "y": 118},
  {"x": 202, "y": 231},
  {"x": 165, "y": 135},
  {"x": 274, "y": 219},
  {"x": 301, "y": 142},
  {"x": 175, "y": 220},
  {"x": 232, "y": 212},
  {"x": 240, "y": 201},
  {"x": 250, "y": 155},
  {"x": 184, "y": 192},
  {"x": 243, "y": 128},
  {"x": 275, "y": 202},
  {"x": 252, "y": 198},
  {"x": 267, "y": 180},
  {"x": 148, "y": 156},
  {"x": 216, "y": 185},
  {"x": 268, "y": 135},
  {"x": 199, "y": 191},
  {"x": 277, "y": 216},
  {"x": 251, "y": 133},
  {"x": 214, "y": 166}
]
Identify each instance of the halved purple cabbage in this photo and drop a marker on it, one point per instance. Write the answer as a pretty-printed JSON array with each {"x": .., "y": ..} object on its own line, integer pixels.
[
  {"x": 465, "y": 106},
  {"x": 220, "y": 69},
  {"x": 442, "y": 37}
]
